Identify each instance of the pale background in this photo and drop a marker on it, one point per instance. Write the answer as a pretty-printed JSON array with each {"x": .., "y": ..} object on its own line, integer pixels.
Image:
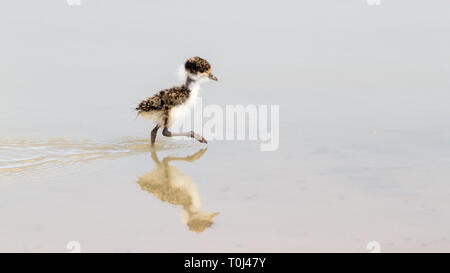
[{"x": 364, "y": 123}]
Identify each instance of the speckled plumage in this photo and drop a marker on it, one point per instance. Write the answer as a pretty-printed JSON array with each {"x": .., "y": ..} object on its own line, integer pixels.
[
  {"x": 169, "y": 105},
  {"x": 165, "y": 99},
  {"x": 197, "y": 65}
]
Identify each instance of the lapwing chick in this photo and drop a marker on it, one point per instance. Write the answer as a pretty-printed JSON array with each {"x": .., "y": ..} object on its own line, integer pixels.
[{"x": 170, "y": 105}]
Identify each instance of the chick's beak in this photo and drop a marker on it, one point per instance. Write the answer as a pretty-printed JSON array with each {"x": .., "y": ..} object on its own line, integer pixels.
[{"x": 212, "y": 77}]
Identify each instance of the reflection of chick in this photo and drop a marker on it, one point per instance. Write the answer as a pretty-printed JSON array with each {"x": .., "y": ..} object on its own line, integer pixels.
[{"x": 171, "y": 185}]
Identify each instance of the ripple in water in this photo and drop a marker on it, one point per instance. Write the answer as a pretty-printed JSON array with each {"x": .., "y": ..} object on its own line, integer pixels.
[{"x": 23, "y": 155}]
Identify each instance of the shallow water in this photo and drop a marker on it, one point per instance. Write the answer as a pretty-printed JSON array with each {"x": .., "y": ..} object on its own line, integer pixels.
[
  {"x": 224, "y": 196},
  {"x": 20, "y": 156}
]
